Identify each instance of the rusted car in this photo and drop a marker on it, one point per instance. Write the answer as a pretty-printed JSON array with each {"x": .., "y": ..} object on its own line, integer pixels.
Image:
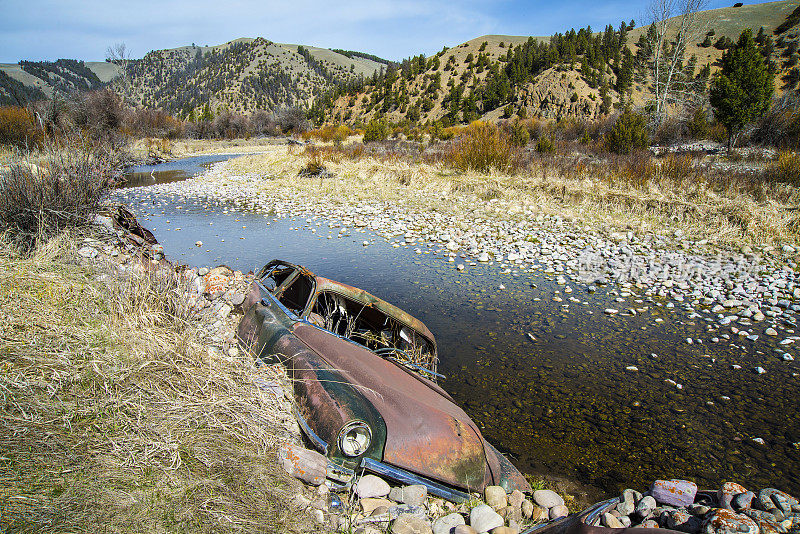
[{"x": 364, "y": 375}]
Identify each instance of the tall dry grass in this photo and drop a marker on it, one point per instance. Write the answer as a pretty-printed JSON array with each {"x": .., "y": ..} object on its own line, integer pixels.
[
  {"x": 636, "y": 191},
  {"x": 115, "y": 418}
]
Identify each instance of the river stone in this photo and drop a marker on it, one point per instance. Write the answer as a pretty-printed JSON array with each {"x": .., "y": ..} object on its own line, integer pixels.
[
  {"x": 527, "y": 509},
  {"x": 650, "y": 523},
  {"x": 558, "y": 511},
  {"x": 727, "y": 492},
  {"x": 723, "y": 521},
  {"x": 783, "y": 501},
  {"x": 448, "y": 523},
  {"x": 504, "y": 530},
  {"x": 547, "y": 498},
  {"x": 410, "y": 524},
  {"x": 372, "y": 486},
  {"x": 743, "y": 500},
  {"x": 610, "y": 521},
  {"x": 516, "y": 498},
  {"x": 483, "y": 519},
  {"x": 414, "y": 494},
  {"x": 464, "y": 529},
  {"x": 369, "y": 504},
  {"x": 645, "y": 506},
  {"x": 380, "y": 510},
  {"x": 674, "y": 492},
  {"x": 495, "y": 497},
  {"x": 683, "y": 521},
  {"x": 761, "y": 515}
]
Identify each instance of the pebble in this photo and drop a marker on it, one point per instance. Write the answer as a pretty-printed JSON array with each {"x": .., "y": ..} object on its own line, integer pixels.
[
  {"x": 414, "y": 495},
  {"x": 446, "y": 524},
  {"x": 410, "y": 524},
  {"x": 87, "y": 252},
  {"x": 371, "y": 486},
  {"x": 547, "y": 498},
  {"x": 495, "y": 496},
  {"x": 483, "y": 518}
]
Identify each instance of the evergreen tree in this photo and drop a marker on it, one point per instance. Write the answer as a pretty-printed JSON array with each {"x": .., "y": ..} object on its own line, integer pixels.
[{"x": 742, "y": 89}]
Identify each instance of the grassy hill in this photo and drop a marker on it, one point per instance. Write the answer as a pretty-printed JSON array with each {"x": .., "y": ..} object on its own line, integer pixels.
[{"x": 578, "y": 77}]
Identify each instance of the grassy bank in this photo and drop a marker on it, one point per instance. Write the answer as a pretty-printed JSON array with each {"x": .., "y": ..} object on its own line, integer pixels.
[
  {"x": 116, "y": 418},
  {"x": 634, "y": 192}
]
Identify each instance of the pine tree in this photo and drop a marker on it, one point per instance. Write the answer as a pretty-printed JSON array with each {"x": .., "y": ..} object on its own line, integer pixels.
[{"x": 742, "y": 89}]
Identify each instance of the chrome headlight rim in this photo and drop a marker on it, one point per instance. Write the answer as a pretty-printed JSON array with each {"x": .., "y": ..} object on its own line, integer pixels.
[{"x": 355, "y": 425}]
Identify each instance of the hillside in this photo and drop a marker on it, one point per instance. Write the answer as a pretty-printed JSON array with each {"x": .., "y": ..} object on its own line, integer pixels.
[
  {"x": 579, "y": 74},
  {"x": 243, "y": 75},
  {"x": 34, "y": 80}
]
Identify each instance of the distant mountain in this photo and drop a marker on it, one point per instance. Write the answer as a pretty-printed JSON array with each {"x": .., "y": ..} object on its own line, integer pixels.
[
  {"x": 34, "y": 80},
  {"x": 244, "y": 76}
]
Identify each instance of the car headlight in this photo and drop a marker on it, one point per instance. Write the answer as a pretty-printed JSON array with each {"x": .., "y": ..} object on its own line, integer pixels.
[{"x": 354, "y": 438}]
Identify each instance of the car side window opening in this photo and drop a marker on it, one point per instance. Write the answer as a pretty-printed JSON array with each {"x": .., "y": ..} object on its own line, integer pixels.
[{"x": 372, "y": 328}]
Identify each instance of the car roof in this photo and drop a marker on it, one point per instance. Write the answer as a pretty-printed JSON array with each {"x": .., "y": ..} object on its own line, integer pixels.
[
  {"x": 368, "y": 299},
  {"x": 363, "y": 297}
]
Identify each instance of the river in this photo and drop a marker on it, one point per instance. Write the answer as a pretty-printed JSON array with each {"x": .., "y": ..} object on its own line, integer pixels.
[{"x": 547, "y": 381}]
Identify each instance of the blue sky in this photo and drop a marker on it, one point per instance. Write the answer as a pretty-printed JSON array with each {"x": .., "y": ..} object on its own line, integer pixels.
[{"x": 393, "y": 29}]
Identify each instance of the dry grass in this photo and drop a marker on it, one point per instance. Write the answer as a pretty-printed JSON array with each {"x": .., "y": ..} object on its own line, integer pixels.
[
  {"x": 115, "y": 418},
  {"x": 634, "y": 192}
]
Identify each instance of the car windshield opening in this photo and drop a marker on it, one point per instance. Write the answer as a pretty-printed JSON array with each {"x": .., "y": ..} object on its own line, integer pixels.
[
  {"x": 372, "y": 328},
  {"x": 296, "y": 295},
  {"x": 275, "y": 276}
]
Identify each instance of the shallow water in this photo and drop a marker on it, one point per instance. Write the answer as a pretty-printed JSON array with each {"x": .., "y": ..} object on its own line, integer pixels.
[
  {"x": 563, "y": 404},
  {"x": 170, "y": 171}
]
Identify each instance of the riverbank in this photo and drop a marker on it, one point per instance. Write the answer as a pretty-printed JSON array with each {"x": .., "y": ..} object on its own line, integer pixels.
[
  {"x": 752, "y": 286},
  {"x": 121, "y": 409}
]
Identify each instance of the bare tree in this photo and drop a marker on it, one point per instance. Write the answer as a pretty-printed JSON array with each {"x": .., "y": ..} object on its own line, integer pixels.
[
  {"x": 673, "y": 25},
  {"x": 119, "y": 55}
]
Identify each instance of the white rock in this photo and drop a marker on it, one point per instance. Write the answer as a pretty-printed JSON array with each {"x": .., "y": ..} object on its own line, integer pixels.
[
  {"x": 483, "y": 519},
  {"x": 547, "y": 498},
  {"x": 371, "y": 486}
]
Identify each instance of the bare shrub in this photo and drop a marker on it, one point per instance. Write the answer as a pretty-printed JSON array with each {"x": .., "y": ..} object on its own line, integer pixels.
[
  {"x": 672, "y": 130},
  {"x": 101, "y": 114},
  {"x": 263, "y": 123},
  {"x": 18, "y": 128},
  {"x": 64, "y": 189},
  {"x": 292, "y": 120},
  {"x": 154, "y": 123},
  {"x": 228, "y": 125},
  {"x": 786, "y": 169},
  {"x": 483, "y": 147},
  {"x": 780, "y": 126},
  {"x": 678, "y": 167}
]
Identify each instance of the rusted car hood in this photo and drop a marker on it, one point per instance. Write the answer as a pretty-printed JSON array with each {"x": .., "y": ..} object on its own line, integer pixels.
[{"x": 425, "y": 431}]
